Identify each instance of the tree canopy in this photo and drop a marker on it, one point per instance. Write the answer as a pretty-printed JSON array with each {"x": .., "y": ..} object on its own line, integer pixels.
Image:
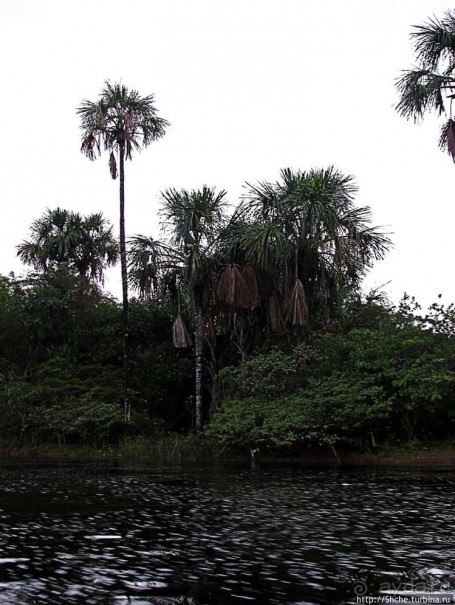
[
  {"x": 306, "y": 240},
  {"x": 84, "y": 243},
  {"x": 120, "y": 118}
]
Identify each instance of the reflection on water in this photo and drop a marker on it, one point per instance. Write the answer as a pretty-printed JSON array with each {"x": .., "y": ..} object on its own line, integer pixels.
[{"x": 215, "y": 535}]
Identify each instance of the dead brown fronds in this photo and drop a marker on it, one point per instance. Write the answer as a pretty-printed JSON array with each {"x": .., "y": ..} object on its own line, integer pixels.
[
  {"x": 251, "y": 282},
  {"x": 233, "y": 290},
  {"x": 297, "y": 309},
  {"x": 180, "y": 336}
]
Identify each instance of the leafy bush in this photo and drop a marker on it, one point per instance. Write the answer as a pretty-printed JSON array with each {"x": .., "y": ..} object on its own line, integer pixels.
[
  {"x": 266, "y": 375},
  {"x": 394, "y": 375},
  {"x": 326, "y": 412},
  {"x": 83, "y": 420}
]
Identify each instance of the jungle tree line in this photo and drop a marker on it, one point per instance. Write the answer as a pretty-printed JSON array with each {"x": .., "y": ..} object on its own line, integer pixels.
[
  {"x": 282, "y": 272},
  {"x": 302, "y": 231},
  {"x": 283, "y": 262},
  {"x": 377, "y": 374}
]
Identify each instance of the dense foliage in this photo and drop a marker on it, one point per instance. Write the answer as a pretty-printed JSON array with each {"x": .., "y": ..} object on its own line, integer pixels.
[
  {"x": 287, "y": 353},
  {"x": 250, "y": 325},
  {"x": 383, "y": 375},
  {"x": 386, "y": 375},
  {"x": 84, "y": 243},
  {"x": 61, "y": 364}
]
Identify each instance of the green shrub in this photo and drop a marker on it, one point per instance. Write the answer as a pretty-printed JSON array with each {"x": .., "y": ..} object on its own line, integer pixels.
[{"x": 327, "y": 412}]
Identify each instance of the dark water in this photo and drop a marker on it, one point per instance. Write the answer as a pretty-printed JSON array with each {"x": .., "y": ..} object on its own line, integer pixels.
[{"x": 263, "y": 535}]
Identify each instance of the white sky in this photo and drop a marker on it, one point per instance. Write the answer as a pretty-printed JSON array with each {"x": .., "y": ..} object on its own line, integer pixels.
[{"x": 250, "y": 87}]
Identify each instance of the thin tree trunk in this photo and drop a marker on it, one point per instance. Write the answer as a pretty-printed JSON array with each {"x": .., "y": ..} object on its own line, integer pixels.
[
  {"x": 123, "y": 263},
  {"x": 198, "y": 347}
]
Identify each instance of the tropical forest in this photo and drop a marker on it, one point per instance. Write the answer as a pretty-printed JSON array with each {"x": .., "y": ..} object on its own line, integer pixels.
[{"x": 245, "y": 327}]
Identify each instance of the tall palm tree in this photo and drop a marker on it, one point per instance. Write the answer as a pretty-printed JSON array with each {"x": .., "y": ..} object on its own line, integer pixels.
[
  {"x": 193, "y": 220},
  {"x": 84, "y": 243},
  {"x": 306, "y": 239},
  {"x": 431, "y": 85},
  {"x": 121, "y": 121}
]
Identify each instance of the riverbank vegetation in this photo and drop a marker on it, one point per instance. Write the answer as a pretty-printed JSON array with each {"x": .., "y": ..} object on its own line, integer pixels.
[
  {"x": 350, "y": 371},
  {"x": 248, "y": 325}
]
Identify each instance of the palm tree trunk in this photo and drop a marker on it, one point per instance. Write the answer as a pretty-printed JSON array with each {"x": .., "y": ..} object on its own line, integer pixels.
[
  {"x": 198, "y": 347},
  {"x": 123, "y": 263}
]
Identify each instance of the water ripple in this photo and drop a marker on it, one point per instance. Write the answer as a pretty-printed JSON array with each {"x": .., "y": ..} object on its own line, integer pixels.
[{"x": 92, "y": 534}]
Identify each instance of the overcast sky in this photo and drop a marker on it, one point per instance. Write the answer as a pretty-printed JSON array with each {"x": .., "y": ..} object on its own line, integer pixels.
[{"x": 250, "y": 87}]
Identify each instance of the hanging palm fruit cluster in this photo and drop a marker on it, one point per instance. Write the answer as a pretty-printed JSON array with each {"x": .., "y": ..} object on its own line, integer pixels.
[
  {"x": 113, "y": 165},
  {"x": 238, "y": 288},
  {"x": 296, "y": 309}
]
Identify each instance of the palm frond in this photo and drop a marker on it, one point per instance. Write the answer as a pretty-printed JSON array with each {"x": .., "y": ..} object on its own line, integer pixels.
[
  {"x": 90, "y": 146},
  {"x": 193, "y": 217},
  {"x": 265, "y": 243},
  {"x": 148, "y": 258},
  {"x": 434, "y": 41},
  {"x": 422, "y": 90},
  {"x": 431, "y": 85}
]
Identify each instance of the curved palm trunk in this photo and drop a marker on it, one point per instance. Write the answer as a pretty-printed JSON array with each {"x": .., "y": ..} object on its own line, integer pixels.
[
  {"x": 123, "y": 263},
  {"x": 198, "y": 347}
]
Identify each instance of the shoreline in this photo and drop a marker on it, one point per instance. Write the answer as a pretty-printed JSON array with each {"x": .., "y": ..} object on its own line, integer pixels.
[{"x": 438, "y": 455}]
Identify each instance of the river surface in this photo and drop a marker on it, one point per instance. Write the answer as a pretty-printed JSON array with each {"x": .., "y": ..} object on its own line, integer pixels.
[{"x": 140, "y": 535}]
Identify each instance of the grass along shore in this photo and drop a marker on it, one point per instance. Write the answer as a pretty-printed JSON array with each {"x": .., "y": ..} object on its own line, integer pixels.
[{"x": 192, "y": 448}]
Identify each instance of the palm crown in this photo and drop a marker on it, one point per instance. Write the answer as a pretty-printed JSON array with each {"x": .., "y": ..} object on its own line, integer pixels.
[
  {"x": 194, "y": 219},
  {"x": 308, "y": 214},
  {"x": 303, "y": 233},
  {"x": 431, "y": 85},
  {"x": 84, "y": 244},
  {"x": 121, "y": 118}
]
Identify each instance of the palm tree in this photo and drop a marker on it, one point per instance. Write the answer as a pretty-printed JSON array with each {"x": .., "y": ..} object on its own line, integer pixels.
[
  {"x": 306, "y": 241},
  {"x": 121, "y": 121},
  {"x": 146, "y": 261},
  {"x": 431, "y": 85},
  {"x": 95, "y": 236},
  {"x": 84, "y": 243},
  {"x": 193, "y": 220}
]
